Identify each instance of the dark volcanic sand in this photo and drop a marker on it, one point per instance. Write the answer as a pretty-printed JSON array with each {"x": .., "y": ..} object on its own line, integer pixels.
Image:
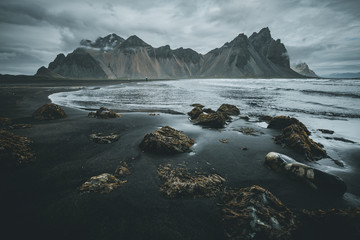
[{"x": 42, "y": 200}]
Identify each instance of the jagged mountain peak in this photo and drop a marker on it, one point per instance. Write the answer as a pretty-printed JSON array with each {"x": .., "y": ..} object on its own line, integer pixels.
[
  {"x": 134, "y": 41},
  {"x": 106, "y": 43}
]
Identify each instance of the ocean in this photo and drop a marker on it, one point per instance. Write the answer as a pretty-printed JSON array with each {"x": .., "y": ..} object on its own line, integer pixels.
[{"x": 319, "y": 103}]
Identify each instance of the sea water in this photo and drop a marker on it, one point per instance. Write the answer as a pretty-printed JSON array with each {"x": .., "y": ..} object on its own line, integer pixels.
[{"x": 320, "y": 103}]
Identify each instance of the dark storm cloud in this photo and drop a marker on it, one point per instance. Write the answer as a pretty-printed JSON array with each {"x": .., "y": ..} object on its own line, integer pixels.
[{"x": 321, "y": 33}]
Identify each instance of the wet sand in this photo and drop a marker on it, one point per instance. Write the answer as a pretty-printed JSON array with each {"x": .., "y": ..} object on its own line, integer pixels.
[{"x": 42, "y": 200}]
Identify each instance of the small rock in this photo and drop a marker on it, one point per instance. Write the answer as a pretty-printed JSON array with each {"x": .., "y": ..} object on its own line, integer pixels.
[
  {"x": 326, "y": 131},
  {"x": 49, "y": 111},
  {"x": 104, "y": 113},
  {"x": 166, "y": 140},
  {"x": 250, "y": 131},
  {"x": 265, "y": 118},
  {"x": 154, "y": 114},
  {"x": 255, "y": 213},
  {"x": 340, "y": 139},
  {"x": 224, "y": 140},
  {"x": 123, "y": 170},
  {"x": 208, "y": 110},
  {"x": 101, "y": 138},
  {"x": 318, "y": 179},
  {"x": 179, "y": 183},
  {"x": 296, "y": 137},
  {"x": 195, "y": 112},
  {"x": 229, "y": 109},
  {"x": 215, "y": 120},
  {"x": 282, "y": 122},
  {"x": 104, "y": 183}
]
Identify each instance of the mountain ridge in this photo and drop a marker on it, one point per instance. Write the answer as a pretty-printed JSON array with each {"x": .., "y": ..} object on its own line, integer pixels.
[{"x": 113, "y": 57}]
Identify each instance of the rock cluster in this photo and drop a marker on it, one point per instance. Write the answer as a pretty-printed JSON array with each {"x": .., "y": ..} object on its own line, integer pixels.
[
  {"x": 49, "y": 111},
  {"x": 166, "y": 140},
  {"x": 210, "y": 118},
  {"x": 101, "y": 138},
  {"x": 296, "y": 136},
  {"x": 255, "y": 213},
  {"x": 14, "y": 150},
  {"x": 318, "y": 179},
  {"x": 178, "y": 182},
  {"x": 104, "y": 113},
  {"x": 123, "y": 170},
  {"x": 103, "y": 183}
]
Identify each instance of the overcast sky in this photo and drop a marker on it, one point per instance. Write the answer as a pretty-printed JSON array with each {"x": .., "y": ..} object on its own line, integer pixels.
[{"x": 323, "y": 33}]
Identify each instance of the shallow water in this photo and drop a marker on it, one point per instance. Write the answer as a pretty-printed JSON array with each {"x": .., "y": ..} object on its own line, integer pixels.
[{"x": 319, "y": 103}]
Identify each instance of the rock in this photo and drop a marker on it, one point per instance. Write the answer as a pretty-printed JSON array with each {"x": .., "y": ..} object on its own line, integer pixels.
[
  {"x": 123, "y": 170},
  {"x": 49, "y": 111},
  {"x": 250, "y": 131},
  {"x": 229, "y": 109},
  {"x": 104, "y": 183},
  {"x": 178, "y": 183},
  {"x": 208, "y": 110},
  {"x": 340, "y": 139},
  {"x": 329, "y": 224},
  {"x": 296, "y": 137},
  {"x": 197, "y": 105},
  {"x": 166, "y": 140},
  {"x": 322, "y": 181},
  {"x": 15, "y": 150},
  {"x": 104, "y": 113},
  {"x": 265, "y": 118},
  {"x": 215, "y": 120},
  {"x": 255, "y": 213},
  {"x": 195, "y": 112},
  {"x": 326, "y": 131},
  {"x": 224, "y": 140},
  {"x": 100, "y": 138},
  {"x": 282, "y": 122}
]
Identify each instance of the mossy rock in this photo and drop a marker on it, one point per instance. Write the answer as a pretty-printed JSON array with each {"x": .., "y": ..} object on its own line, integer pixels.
[
  {"x": 281, "y": 122},
  {"x": 15, "y": 150},
  {"x": 49, "y": 111},
  {"x": 195, "y": 112},
  {"x": 103, "y": 183},
  {"x": 166, "y": 140},
  {"x": 297, "y": 138},
  {"x": 229, "y": 109},
  {"x": 214, "y": 120},
  {"x": 104, "y": 113}
]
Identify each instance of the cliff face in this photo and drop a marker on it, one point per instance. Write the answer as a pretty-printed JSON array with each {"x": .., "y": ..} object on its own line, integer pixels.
[
  {"x": 113, "y": 57},
  {"x": 303, "y": 69}
]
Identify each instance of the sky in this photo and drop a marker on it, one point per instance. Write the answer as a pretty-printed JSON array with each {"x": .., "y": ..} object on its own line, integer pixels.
[{"x": 323, "y": 33}]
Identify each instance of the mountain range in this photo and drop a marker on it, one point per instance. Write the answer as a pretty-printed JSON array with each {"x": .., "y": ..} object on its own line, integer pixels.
[{"x": 114, "y": 57}]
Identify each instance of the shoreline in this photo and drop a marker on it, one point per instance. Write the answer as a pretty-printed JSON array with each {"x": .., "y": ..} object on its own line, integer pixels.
[{"x": 43, "y": 197}]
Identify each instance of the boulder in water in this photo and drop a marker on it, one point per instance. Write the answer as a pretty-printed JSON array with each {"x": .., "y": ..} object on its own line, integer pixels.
[
  {"x": 281, "y": 122},
  {"x": 215, "y": 120},
  {"x": 297, "y": 138},
  {"x": 104, "y": 113},
  {"x": 322, "y": 181},
  {"x": 255, "y": 213},
  {"x": 228, "y": 109},
  {"x": 195, "y": 112},
  {"x": 49, "y": 111},
  {"x": 166, "y": 140},
  {"x": 103, "y": 183}
]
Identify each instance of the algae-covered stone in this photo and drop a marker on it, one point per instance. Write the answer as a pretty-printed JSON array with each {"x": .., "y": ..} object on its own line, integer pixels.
[
  {"x": 215, "y": 120},
  {"x": 104, "y": 113},
  {"x": 195, "y": 112},
  {"x": 101, "y": 138},
  {"x": 255, "y": 213},
  {"x": 103, "y": 183},
  {"x": 49, "y": 111},
  {"x": 123, "y": 170},
  {"x": 282, "y": 122},
  {"x": 15, "y": 150},
  {"x": 166, "y": 140},
  {"x": 229, "y": 109},
  {"x": 317, "y": 179},
  {"x": 296, "y": 137},
  {"x": 178, "y": 183}
]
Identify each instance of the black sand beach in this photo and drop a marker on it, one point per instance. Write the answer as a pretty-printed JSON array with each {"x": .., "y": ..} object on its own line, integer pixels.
[{"x": 42, "y": 200}]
